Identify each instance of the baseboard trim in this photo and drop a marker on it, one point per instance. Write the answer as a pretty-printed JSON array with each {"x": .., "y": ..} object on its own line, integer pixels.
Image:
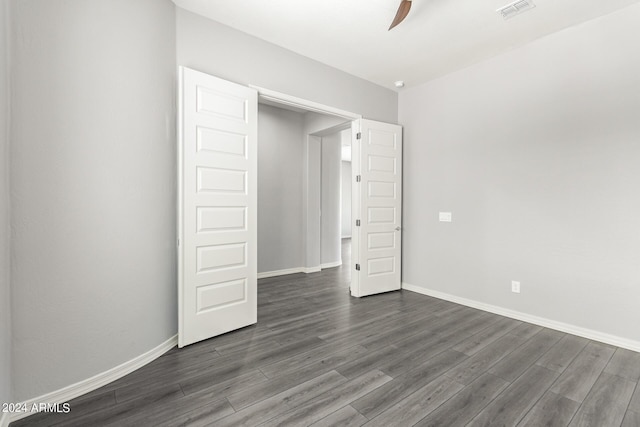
[
  {"x": 306, "y": 270},
  {"x": 78, "y": 389},
  {"x": 284, "y": 272},
  {"x": 331, "y": 264},
  {"x": 4, "y": 419},
  {"x": 540, "y": 321}
]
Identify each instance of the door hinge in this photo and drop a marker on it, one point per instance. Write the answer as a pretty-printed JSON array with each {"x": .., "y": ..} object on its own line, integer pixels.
[
  {"x": 357, "y": 223},
  {"x": 358, "y": 178},
  {"x": 359, "y": 135},
  {"x": 358, "y": 267}
]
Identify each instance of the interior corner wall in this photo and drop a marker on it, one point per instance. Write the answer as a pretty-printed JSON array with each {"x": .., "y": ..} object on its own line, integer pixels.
[
  {"x": 345, "y": 211},
  {"x": 210, "y": 47},
  {"x": 280, "y": 146},
  {"x": 535, "y": 152},
  {"x": 331, "y": 245},
  {"x": 93, "y": 187},
  {"x": 314, "y": 124},
  {"x": 5, "y": 295}
]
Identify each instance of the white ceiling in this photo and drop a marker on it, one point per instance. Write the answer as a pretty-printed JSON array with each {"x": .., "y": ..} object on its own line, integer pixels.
[{"x": 438, "y": 36}]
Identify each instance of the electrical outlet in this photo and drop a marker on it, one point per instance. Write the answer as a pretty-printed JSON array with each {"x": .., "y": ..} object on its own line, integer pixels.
[{"x": 515, "y": 287}]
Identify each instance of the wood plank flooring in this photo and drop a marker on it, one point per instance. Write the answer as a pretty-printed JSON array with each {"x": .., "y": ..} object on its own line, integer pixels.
[{"x": 318, "y": 357}]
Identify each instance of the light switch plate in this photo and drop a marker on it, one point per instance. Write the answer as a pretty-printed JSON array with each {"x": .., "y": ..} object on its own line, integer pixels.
[{"x": 445, "y": 216}]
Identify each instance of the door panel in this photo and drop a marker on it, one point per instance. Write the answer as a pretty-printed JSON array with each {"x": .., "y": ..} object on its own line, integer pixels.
[
  {"x": 378, "y": 165},
  {"x": 217, "y": 265}
]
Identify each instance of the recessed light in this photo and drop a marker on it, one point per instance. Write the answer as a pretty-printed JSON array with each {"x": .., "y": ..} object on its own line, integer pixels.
[{"x": 399, "y": 84}]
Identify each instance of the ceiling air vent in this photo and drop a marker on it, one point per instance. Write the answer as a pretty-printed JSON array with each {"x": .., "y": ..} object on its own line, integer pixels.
[{"x": 515, "y": 8}]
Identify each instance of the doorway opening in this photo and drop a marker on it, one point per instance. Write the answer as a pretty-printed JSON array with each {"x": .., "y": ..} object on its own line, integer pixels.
[{"x": 304, "y": 193}]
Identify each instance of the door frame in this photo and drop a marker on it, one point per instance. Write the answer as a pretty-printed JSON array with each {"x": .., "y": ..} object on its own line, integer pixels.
[{"x": 274, "y": 97}]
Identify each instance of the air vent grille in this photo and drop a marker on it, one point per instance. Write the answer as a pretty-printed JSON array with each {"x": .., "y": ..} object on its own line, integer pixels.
[{"x": 515, "y": 8}]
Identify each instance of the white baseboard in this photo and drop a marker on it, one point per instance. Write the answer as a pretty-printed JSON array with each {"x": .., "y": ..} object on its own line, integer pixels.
[
  {"x": 78, "y": 389},
  {"x": 540, "y": 321},
  {"x": 306, "y": 270},
  {"x": 331, "y": 264},
  {"x": 4, "y": 419},
  {"x": 275, "y": 273}
]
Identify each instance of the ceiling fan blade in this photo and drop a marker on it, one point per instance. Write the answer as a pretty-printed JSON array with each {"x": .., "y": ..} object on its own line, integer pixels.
[{"x": 403, "y": 11}]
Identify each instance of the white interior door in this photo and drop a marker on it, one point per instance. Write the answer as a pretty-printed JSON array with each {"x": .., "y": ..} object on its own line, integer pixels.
[
  {"x": 377, "y": 228},
  {"x": 217, "y": 230}
]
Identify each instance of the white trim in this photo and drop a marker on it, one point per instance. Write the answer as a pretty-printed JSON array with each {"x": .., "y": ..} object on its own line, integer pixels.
[
  {"x": 4, "y": 419},
  {"x": 293, "y": 101},
  {"x": 284, "y": 272},
  {"x": 540, "y": 321},
  {"x": 331, "y": 265},
  {"x": 78, "y": 389},
  {"x": 306, "y": 270}
]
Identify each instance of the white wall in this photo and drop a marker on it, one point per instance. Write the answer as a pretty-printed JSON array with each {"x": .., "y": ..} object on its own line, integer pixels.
[
  {"x": 280, "y": 233},
  {"x": 5, "y": 296},
  {"x": 536, "y": 154},
  {"x": 93, "y": 187},
  {"x": 213, "y": 48},
  {"x": 331, "y": 247},
  {"x": 345, "y": 212}
]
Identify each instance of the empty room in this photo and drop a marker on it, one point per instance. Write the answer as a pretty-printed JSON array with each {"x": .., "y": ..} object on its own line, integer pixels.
[{"x": 320, "y": 212}]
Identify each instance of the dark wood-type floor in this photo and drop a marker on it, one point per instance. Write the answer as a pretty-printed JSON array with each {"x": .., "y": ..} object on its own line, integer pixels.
[{"x": 319, "y": 357}]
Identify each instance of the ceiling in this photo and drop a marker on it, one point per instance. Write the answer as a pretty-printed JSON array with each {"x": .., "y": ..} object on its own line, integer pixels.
[{"x": 438, "y": 36}]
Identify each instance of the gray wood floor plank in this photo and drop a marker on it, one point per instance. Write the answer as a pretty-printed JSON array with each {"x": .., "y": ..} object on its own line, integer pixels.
[
  {"x": 472, "y": 368},
  {"x": 417, "y": 405},
  {"x": 465, "y": 405},
  {"x": 562, "y": 354},
  {"x": 525, "y": 330},
  {"x": 232, "y": 385},
  {"x": 512, "y": 366},
  {"x": 387, "y": 395},
  {"x": 606, "y": 403},
  {"x": 635, "y": 400},
  {"x": 516, "y": 400},
  {"x": 324, "y": 405},
  {"x": 625, "y": 364},
  {"x": 483, "y": 338},
  {"x": 576, "y": 381},
  {"x": 631, "y": 419},
  {"x": 300, "y": 360},
  {"x": 371, "y": 360},
  {"x": 345, "y": 417},
  {"x": 152, "y": 400},
  {"x": 551, "y": 411},
  {"x": 282, "y": 402},
  {"x": 192, "y": 410}
]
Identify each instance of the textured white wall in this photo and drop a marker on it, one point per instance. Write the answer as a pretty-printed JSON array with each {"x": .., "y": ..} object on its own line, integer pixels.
[
  {"x": 93, "y": 187},
  {"x": 536, "y": 154},
  {"x": 331, "y": 248},
  {"x": 213, "y": 48},
  {"x": 280, "y": 233},
  {"x": 5, "y": 295}
]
